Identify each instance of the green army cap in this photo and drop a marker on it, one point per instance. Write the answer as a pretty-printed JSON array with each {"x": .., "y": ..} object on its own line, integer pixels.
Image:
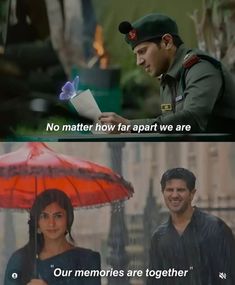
[{"x": 147, "y": 28}]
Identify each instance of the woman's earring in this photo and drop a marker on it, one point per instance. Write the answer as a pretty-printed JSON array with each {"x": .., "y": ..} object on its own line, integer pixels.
[{"x": 39, "y": 231}]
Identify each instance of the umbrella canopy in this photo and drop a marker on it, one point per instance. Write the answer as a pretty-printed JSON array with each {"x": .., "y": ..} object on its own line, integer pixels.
[{"x": 34, "y": 167}]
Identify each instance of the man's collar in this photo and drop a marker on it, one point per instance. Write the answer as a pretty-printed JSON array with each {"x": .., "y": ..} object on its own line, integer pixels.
[
  {"x": 194, "y": 214},
  {"x": 176, "y": 65}
]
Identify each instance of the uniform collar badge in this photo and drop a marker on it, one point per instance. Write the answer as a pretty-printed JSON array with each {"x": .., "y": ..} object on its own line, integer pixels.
[
  {"x": 178, "y": 98},
  {"x": 166, "y": 107}
]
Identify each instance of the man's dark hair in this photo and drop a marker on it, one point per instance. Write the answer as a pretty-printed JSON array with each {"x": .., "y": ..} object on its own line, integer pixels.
[
  {"x": 179, "y": 173},
  {"x": 177, "y": 41}
]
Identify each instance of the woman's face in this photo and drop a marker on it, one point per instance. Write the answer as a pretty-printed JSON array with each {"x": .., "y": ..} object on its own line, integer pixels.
[{"x": 53, "y": 222}]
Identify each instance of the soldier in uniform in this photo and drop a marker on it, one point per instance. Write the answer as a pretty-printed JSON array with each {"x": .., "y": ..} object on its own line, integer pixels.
[{"x": 195, "y": 89}]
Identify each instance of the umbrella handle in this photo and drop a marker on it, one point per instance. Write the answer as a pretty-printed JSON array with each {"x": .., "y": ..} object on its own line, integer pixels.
[{"x": 35, "y": 267}]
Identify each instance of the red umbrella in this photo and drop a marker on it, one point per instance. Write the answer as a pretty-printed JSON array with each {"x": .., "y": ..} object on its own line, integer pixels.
[{"x": 34, "y": 167}]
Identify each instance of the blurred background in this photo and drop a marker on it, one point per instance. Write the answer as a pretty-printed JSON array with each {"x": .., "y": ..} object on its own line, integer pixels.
[
  {"x": 44, "y": 43},
  {"x": 123, "y": 236}
]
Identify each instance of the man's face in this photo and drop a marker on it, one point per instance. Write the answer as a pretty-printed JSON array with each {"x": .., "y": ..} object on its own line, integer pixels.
[
  {"x": 152, "y": 57},
  {"x": 177, "y": 196}
]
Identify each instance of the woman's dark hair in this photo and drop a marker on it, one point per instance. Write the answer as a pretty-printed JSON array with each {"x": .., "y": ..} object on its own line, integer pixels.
[
  {"x": 179, "y": 173},
  {"x": 36, "y": 241}
]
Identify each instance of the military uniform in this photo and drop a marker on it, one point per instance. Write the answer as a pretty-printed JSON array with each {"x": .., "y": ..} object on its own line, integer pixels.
[{"x": 196, "y": 90}]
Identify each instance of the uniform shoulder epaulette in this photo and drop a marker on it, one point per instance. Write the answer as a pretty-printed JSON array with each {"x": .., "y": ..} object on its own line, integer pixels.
[{"x": 190, "y": 59}]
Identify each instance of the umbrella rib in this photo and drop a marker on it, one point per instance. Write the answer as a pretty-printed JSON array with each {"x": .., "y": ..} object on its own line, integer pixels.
[
  {"x": 106, "y": 176},
  {"x": 103, "y": 190},
  {"x": 62, "y": 160},
  {"x": 13, "y": 187},
  {"x": 65, "y": 161},
  {"x": 44, "y": 182},
  {"x": 74, "y": 187}
]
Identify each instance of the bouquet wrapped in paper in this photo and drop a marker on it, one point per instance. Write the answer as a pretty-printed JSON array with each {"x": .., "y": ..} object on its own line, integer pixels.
[{"x": 83, "y": 101}]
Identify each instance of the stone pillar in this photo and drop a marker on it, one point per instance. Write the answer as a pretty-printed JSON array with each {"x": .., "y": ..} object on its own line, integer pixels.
[{"x": 118, "y": 236}]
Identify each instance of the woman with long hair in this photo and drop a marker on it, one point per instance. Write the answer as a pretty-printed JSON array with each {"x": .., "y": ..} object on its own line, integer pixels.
[{"x": 49, "y": 258}]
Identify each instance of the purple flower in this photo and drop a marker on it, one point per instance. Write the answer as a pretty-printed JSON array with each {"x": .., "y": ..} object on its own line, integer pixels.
[{"x": 69, "y": 89}]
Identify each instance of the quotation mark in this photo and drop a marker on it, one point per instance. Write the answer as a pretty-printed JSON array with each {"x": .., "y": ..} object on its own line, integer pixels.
[
  {"x": 14, "y": 275},
  {"x": 222, "y": 275}
]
